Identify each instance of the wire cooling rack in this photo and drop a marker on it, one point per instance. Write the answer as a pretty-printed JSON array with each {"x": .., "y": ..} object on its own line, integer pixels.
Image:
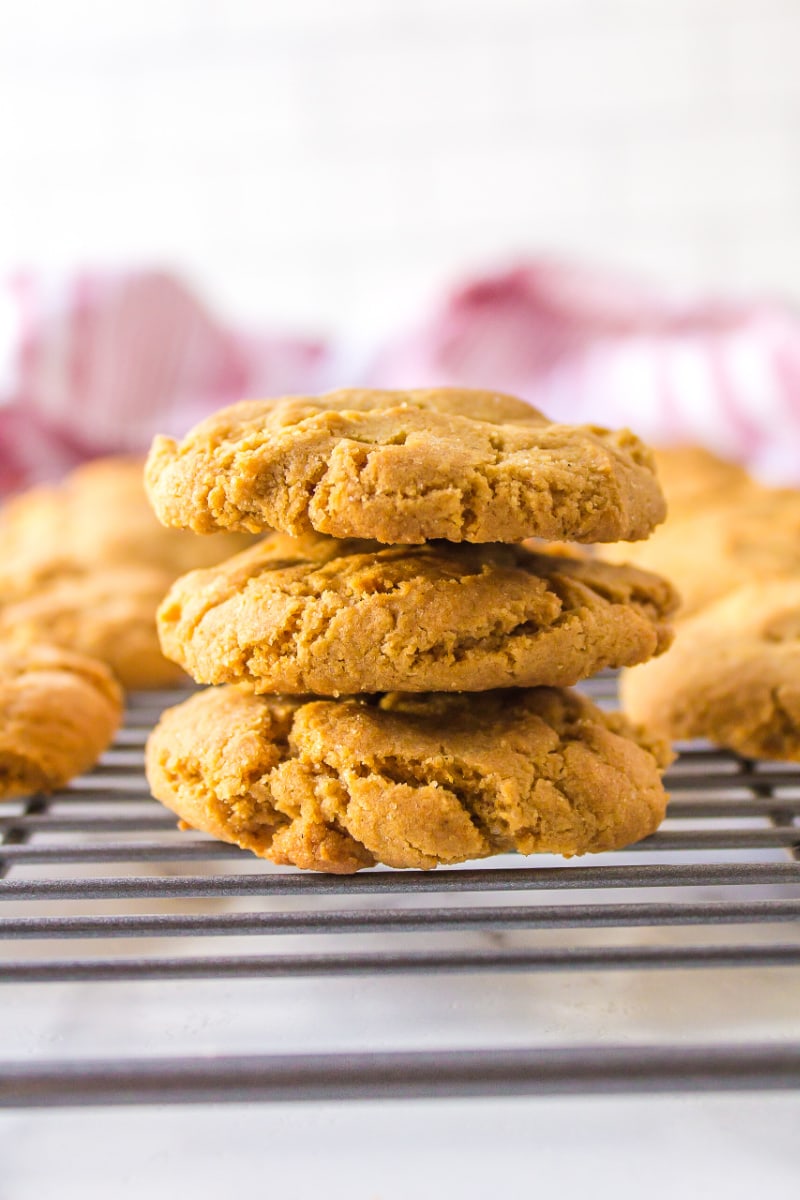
[{"x": 101, "y": 863}]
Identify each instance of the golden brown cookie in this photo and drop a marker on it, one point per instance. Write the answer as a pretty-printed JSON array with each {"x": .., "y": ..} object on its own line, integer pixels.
[
  {"x": 58, "y": 713},
  {"x": 733, "y": 675},
  {"x": 692, "y": 478},
  {"x": 85, "y": 565},
  {"x": 410, "y": 781},
  {"x": 312, "y": 614},
  {"x": 755, "y": 537},
  {"x": 405, "y": 467},
  {"x": 98, "y": 516},
  {"x": 108, "y": 614}
]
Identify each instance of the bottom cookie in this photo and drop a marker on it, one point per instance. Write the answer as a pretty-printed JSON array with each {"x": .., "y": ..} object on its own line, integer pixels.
[
  {"x": 408, "y": 781},
  {"x": 58, "y": 713},
  {"x": 732, "y": 675}
]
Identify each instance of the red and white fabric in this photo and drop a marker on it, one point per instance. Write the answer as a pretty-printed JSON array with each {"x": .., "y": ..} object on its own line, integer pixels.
[
  {"x": 588, "y": 345},
  {"x": 97, "y": 362}
]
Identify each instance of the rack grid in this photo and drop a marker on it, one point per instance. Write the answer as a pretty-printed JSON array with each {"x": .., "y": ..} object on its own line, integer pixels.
[{"x": 733, "y": 833}]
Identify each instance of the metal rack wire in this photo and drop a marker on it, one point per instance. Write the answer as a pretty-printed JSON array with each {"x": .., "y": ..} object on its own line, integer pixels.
[{"x": 53, "y": 846}]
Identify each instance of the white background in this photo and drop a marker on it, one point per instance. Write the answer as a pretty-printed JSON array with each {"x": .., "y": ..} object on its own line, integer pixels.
[{"x": 329, "y": 163}]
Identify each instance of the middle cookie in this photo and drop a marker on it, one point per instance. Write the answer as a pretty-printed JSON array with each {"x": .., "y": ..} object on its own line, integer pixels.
[{"x": 318, "y": 615}]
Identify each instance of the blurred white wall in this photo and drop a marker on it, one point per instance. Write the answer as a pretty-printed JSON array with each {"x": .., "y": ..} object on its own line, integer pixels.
[{"x": 328, "y": 162}]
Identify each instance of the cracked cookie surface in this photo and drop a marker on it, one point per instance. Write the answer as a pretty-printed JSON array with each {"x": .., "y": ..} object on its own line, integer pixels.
[
  {"x": 316, "y": 615},
  {"x": 732, "y": 676},
  {"x": 58, "y": 713},
  {"x": 405, "y": 467},
  {"x": 406, "y": 780}
]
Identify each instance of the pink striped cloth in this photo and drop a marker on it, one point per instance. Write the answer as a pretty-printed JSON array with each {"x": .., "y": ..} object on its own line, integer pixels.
[
  {"x": 99, "y": 362},
  {"x": 588, "y": 345}
]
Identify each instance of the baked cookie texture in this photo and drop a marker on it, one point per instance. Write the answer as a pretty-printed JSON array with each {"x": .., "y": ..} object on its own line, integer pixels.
[
  {"x": 404, "y": 468},
  {"x": 733, "y": 675},
  {"x": 98, "y": 516},
  {"x": 710, "y": 552},
  {"x": 406, "y": 780},
  {"x": 108, "y": 614},
  {"x": 313, "y": 614},
  {"x": 58, "y": 713}
]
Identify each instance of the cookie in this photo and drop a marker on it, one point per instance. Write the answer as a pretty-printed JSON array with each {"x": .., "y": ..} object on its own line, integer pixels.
[
  {"x": 755, "y": 537},
  {"x": 58, "y": 713},
  {"x": 312, "y": 614},
  {"x": 409, "y": 781},
  {"x": 692, "y": 477},
  {"x": 405, "y": 467},
  {"x": 108, "y": 614},
  {"x": 98, "y": 516},
  {"x": 733, "y": 675}
]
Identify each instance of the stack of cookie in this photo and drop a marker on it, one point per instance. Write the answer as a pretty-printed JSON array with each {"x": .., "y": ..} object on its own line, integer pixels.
[
  {"x": 732, "y": 546},
  {"x": 395, "y": 660}
]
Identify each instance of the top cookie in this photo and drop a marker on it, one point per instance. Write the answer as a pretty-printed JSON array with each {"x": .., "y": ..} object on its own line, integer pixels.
[{"x": 405, "y": 467}]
